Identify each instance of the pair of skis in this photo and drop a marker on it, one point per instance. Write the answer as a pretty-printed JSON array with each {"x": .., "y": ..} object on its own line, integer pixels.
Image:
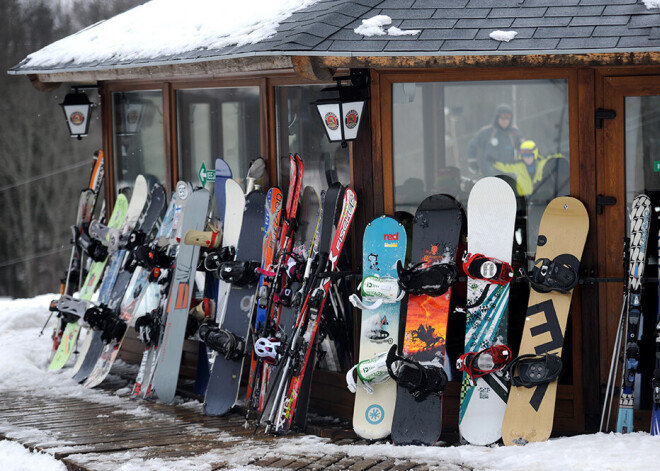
[
  {"x": 630, "y": 326},
  {"x": 287, "y": 398}
]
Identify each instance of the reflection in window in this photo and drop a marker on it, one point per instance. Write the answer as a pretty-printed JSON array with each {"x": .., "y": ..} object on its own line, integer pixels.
[
  {"x": 448, "y": 135},
  {"x": 299, "y": 130},
  {"x": 138, "y": 139},
  {"x": 217, "y": 123}
]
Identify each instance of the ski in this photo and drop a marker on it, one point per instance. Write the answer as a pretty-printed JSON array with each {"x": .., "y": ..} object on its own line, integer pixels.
[
  {"x": 302, "y": 344},
  {"x": 640, "y": 214}
]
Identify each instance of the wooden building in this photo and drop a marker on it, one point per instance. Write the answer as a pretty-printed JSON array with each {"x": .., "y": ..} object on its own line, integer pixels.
[{"x": 581, "y": 77}]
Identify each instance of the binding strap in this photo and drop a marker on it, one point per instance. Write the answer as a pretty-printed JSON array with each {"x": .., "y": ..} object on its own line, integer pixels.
[
  {"x": 533, "y": 370},
  {"x": 419, "y": 379},
  {"x": 559, "y": 274},
  {"x": 493, "y": 270},
  {"x": 474, "y": 363},
  {"x": 432, "y": 280}
]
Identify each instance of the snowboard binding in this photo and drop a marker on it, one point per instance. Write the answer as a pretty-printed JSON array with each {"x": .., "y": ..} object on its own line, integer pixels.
[
  {"x": 432, "y": 280},
  {"x": 381, "y": 289},
  {"x": 419, "y": 379},
  {"x": 369, "y": 372},
  {"x": 214, "y": 260},
  {"x": 484, "y": 362},
  {"x": 96, "y": 317},
  {"x": 533, "y": 370},
  {"x": 222, "y": 341},
  {"x": 148, "y": 328},
  {"x": 560, "y": 274},
  {"x": 113, "y": 330},
  {"x": 92, "y": 247},
  {"x": 239, "y": 273},
  {"x": 480, "y": 267}
]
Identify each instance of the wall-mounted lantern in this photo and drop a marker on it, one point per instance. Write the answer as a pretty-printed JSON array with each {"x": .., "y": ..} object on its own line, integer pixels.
[
  {"x": 342, "y": 113},
  {"x": 77, "y": 111}
]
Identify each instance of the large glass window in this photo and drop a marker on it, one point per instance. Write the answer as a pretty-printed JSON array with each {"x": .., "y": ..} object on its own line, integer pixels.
[
  {"x": 138, "y": 136},
  {"x": 447, "y": 135},
  {"x": 299, "y": 130},
  {"x": 218, "y": 123}
]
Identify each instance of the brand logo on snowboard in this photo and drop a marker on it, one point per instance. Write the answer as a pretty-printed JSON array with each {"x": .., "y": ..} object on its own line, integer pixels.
[
  {"x": 391, "y": 240},
  {"x": 374, "y": 414}
]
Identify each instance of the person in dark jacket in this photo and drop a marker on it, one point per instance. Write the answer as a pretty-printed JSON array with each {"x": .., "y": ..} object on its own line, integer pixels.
[{"x": 496, "y": 142}]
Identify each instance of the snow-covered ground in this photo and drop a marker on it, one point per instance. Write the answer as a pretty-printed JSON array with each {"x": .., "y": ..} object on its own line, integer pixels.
[{"x": 23, "y": 368}]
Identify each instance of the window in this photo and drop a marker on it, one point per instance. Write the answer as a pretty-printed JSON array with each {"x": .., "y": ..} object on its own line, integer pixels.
[
  {"x": 299, "y": 130},
  {"x": 138, "y": 136},
  {"x": 218, "y": 123},
  {"x": 447, "y": 135}
]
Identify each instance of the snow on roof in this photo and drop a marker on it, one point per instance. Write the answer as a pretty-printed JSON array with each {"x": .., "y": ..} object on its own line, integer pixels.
[{"x": 169, "y": 27}]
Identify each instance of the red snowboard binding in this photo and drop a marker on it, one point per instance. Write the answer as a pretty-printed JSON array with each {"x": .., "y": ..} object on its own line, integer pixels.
[{"x": 489, "y": 360}]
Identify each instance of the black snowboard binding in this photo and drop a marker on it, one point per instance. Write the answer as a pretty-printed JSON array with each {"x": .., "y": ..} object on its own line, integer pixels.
[
  {"x": 113, "y": 330},
  {"x": 533, "y": 370},
  {"x": 96, "y": 317},
  {"x": 214, "y": 259},
  {"x": 92, "y": 247},
  {"x": 420, "y": 380},
  {"x": 148, "y": 328},
  {"x": 433, "y": 280},
  {"x": 486, "y": 361},
  {"x": 560, "y": 274},
  {"x": 239, "y": 273},
  {"x": 222, "y": 341}
]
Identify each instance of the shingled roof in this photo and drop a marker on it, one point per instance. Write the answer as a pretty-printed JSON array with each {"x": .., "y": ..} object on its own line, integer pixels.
[{"x": 441, "y": 28}]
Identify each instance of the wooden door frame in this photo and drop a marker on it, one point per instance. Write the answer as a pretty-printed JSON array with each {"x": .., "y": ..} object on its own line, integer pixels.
[{"x": 611, "y": 181}]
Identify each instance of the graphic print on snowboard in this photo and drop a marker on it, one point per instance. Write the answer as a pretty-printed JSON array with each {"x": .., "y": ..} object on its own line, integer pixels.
[
  {"x": 530, "y": 408},
  {"x": 436, "y": 233}
]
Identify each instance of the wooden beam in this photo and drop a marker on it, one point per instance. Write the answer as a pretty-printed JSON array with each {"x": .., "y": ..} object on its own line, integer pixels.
[
  {"x": 43, "y": 86},
  {"x": 312, "y": 68}
]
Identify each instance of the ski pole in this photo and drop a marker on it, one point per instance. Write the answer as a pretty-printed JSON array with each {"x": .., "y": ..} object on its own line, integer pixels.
[
  {"x": 614, "y": 367},
  {"x": 46, "y": 323}
]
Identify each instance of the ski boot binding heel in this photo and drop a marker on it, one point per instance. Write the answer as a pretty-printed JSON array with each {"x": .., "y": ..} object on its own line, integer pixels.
[
  {"x": 486, "y": 361},
  {"x": 432, "y": 280},
  {"x": 370, "y": 372},
  {"x": 534, "y": 370},
  {"x": 222, "y": 341},
  {"x": 148, "y": 328},
  {"x": 559, "y": 274},
  {"x": 419, "y": 379},
  {"x": 489, "y": 269},
  {"x": 269, "y": 349}
]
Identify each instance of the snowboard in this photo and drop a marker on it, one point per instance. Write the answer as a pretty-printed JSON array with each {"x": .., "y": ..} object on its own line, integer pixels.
[
  {"x": 640, "y": 215},
  {"x": 237, "y": 309},
  {"x": 491, "y": 214},
  {"x": 166, "y": 373},
  {"x": 72, "y": 329},
  {"x": 134, "y": 277},
  {"x": 149, "y": 325},
  {"x": 562, "y": 233},
  {"x": 74, "y": 274},
  {"x": 437, "y": 230},
  {"x": 92, "y": 345},
  {"x": 383, "y": 245}
]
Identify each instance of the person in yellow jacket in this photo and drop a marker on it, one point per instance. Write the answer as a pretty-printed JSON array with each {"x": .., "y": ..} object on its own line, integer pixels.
[{"x": 528, "y": 172}]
